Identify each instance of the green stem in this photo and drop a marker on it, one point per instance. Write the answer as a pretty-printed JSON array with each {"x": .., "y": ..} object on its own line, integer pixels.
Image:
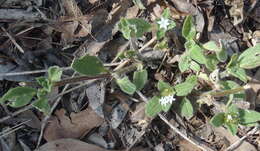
[{"x": 225, "y": 92}]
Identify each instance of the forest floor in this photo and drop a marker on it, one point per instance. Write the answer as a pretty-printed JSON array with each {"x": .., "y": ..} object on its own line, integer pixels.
[{"x": 93, "y": 113}]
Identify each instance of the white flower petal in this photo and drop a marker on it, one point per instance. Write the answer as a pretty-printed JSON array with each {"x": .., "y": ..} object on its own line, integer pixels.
[
  {"x": 164, "y": 23},
  {"x": 166, "y": 100}
]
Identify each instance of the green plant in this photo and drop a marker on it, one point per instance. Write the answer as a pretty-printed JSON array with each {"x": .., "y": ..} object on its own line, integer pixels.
[{"x": 209, "y": 56}]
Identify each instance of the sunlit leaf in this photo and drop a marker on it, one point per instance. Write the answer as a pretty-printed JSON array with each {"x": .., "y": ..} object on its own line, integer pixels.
[
  {"x": 134, "y": 27},
  {"x": 250, "y": 58},
  {"x": 126, "y": 85},
  {"x": 140, "y": 78},
  {"x": 186, "y": 108},
  {"x": 196, "y": 53},
  {"x": 188, "y": 28},
  {"x": 54, "y": 73},
  {"x": 186, "y": 87},
  {"x": 218, "y": 119},
  {"x": 153, "y": 107},
  {"x": 42, "y": 105}
]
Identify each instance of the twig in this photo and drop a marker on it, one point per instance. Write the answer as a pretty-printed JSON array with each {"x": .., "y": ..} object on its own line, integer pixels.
[
  {"x": 238, "y": 142},
  {"x": 16, "y": 113},
  {"x": 147, "y": 44},
  {"x": 30, "y": 72},
  {"x": 13, "y": 40},
  {"x": 46, "y": 70},
  {"x": 13, "y": 129},
  {"x": 191, "y": 140}
]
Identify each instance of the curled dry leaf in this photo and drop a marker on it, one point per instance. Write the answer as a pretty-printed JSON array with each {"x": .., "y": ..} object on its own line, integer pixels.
[{"x": 75, "y": 126}]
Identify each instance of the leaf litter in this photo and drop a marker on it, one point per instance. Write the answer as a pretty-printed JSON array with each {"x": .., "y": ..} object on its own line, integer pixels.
[{"x": 41, "y": 34}]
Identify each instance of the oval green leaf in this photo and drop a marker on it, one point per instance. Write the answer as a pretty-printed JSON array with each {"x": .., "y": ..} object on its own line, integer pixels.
[
  {"x": 19, "y": 96},
  {"x": 186, "y": 108},
  {"x": 218, "y": 119},
  {"x": 126, "y": 85},
  {"x": 88, "y": 65},
  {"x": 140, "y": 79}
]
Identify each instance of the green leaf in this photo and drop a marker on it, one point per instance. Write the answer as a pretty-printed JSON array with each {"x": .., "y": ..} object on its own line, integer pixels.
[
  {"x": 184, "y": 63},
  {"x": 186, "y": 87},
  {"x": 238, "y": 72},
  {"x": 42, "y": 93},
  {"x": 194, "y": 66},
  {"x": 139, "y": 4},
  {"x": 166, "y": 13},
  {"x": 250, "y": 58},
  {"x": 88, "y": 65},
  {"x": 45, "y": 83},
  {"x": 42, "y": 105},
  {"x": 139, "y": 79},
  {"x": 248, "y": 117},
  {"x": 234, "y": 69},
  {"x": 161, "y": 86},
  {"x": 188, "y": 29},
  {"x": 211, "y": 62},
  {"x": 153, "y": 107},
  {"x": 160, "y": 33},
  {"x": 126, "y": 85},
  {"x": 212, "y": 46},
  {"x": 54, "y": 73},
  {"x": 196, "y": 53},
  {"x": 18, "y": 96},
  {"x": 232, "y": 128},
  {"x": 186, "y": 108},
  {"x": 218, "y": 119},
  {"x": 222, "y": 55},
  {"x": 134, "y": 27}
]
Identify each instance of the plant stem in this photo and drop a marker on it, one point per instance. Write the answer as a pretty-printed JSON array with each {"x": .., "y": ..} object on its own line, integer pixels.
[
  {"x": 227, "y": 92},
  {"x": 80, "y": 78}
]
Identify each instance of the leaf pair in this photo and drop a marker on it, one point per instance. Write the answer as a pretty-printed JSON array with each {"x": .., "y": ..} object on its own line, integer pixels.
[{"x": 139, "y": 80}]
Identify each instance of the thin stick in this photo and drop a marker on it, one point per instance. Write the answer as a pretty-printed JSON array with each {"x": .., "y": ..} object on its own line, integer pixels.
[
  {"x": 147, "y": 44},
  {"x": 13, "y": 40},
  {"x": 238, "y": 142},
  {"x": 46, "y": 70},
  {"x": 192, "y": 141},
  {"x": 13, "y": 129},
  {"x": 16, "y": 113},
  {"x": 30, "y": 72}
]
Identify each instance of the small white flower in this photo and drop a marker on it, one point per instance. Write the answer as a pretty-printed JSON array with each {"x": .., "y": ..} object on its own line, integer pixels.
[
  {"x": 229, "y": 117},
  {"x": 164, "y": 23},
  {"x": 166, "y": 100}
]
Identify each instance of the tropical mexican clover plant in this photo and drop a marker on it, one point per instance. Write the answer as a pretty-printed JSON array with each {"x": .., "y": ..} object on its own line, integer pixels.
[{"x": 195, "y": 57}]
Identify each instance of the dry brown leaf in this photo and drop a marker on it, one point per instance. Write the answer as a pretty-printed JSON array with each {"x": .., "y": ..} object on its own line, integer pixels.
[
  {"x": 244, "y": 146},
  {"x": 75, "y": 126},
  {"x": 76, "y": 145},
  {"x": 187, "y": 146},
  {"x": 69, "y": 145}
]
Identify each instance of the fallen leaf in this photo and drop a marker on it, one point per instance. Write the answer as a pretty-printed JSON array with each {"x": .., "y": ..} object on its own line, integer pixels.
[
  {"x": 76, "y": 145},
  {"x": 75, "y": 126},
  {"x": 69, "y": 145},
  {"x": 222, "y": 132},
  {"x": 187, "y": 146}
]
